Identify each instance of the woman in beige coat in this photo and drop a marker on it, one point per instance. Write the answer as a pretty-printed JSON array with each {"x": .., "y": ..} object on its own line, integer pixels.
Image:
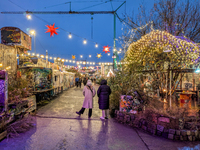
[{"x": 89, "y": 92}]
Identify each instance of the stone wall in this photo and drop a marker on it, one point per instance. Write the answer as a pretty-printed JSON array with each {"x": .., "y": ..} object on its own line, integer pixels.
[{"x": 169, "y": 128}]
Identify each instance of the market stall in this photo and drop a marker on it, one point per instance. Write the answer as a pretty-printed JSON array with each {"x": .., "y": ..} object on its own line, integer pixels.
[{"x": 39, "y": 79}]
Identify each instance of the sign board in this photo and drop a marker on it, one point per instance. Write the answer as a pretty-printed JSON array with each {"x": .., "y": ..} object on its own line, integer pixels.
[{"x": 14, "y": 36}]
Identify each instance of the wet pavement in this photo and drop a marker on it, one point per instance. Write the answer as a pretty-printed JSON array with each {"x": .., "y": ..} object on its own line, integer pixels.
[{"x": 57, "y": 127}]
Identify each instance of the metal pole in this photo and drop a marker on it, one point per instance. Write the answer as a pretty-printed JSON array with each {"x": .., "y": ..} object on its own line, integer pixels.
[
  {"x": 46, "y": 58},
  {"x": 114, "y": 45},
  {"x": 170, "y": 88},
  {"x": 34, "y": 45}
]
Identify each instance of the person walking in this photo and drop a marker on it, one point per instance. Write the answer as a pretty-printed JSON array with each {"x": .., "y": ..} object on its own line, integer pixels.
[
  {"x": 80, "y": 82},
  {"x": 103, "y": 93},
  {"x": 84, "y": 81},
  {"x": 76, "y": 80},
  {"x": 89, "y": 92}
]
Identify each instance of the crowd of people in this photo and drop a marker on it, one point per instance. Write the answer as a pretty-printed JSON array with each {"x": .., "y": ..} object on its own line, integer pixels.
[
  {"x": 80, "y": 80},
  {"x": 89, "y": 92}
]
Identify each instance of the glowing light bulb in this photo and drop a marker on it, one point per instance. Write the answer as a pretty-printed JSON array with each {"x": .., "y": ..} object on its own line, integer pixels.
[
  {"x": 28, "y": 17},
  {"x": 90, "y": 56},
  {"x": 70, "y": 36},
  {"x": 108, "y": 54},
  {"x": 37, "y": 55},
  {"x": 84, "y": 42},
  {"x": 96, "y": 45},
  {"x": 32, "y": 32},
  {"x": 50, "y": 57},
  {"x": 66, "y": 60},
  {"x": 81, "y": 56}
]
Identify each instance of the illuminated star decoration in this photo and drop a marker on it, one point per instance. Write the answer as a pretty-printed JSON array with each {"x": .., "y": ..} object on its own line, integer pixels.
[
  {"x": 73, "y": 57},
  {"x": 99, "y": 55},
  {"x": 106, "y": 49},
  {"x": 51, "y": 29}
]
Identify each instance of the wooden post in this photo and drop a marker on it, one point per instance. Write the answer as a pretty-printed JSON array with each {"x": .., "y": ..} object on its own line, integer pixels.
[
  {"x": 181, "y": 81},
  {"x": 193, "y": 80}
]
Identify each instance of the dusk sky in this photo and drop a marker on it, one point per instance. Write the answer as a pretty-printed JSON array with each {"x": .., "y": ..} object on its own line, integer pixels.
[{"x": 60, "y": 45}]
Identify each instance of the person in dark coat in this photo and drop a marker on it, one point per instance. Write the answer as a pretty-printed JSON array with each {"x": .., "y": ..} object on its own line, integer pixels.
[
  {"x": 103, "y": 93},
  {"x": 80, "y": 82},
  {"x": 84, "y": 81}
]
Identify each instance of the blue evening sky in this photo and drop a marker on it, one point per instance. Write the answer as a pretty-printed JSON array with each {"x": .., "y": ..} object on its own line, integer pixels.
[{"x": 60, "y": 45}]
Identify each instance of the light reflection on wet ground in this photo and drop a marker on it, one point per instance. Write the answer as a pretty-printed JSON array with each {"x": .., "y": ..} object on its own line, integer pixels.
[{"x": 62, "y": 133}]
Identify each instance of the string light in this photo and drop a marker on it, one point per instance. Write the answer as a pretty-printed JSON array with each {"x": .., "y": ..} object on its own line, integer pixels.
[
  {"x": 96, "y": 45},
  {"x": 108, "y": 54},
  {"x": 70, "y": 35},
  {"x": 54, "y": 58},
  {"x": 37, "y": 55},
  {"x": 42, "y": 56},
  {"x": 50, "y": 57},
  {"x": 81, "y": 56},
  {"x": 1, "y": 65},
  {"x": 87, "y": 62},
  {"x": 33, "y": 54},
  {"x": 90, "y": 56},
  {"x": 66, "y": 60},
  {"x": 162, "y": 41},
  {"x": 28, "y": 17},
  {"x": 28, "y": 53},
  {"x": 62, "y": 60},
  {"x": 46, "y": 57},
  {"x": 84, "y": 41}
]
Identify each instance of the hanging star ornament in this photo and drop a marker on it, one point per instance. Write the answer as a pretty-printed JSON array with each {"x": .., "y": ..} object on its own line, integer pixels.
[
  {"x": 51, "y": 29},
  {"x": 106, "y": 49},
  {"x": 73, "y": 57},
  {"x": 99, "y": 55}
]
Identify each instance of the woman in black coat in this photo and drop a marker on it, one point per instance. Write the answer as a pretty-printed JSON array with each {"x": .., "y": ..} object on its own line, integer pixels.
[{"x": 103, "y": 93}]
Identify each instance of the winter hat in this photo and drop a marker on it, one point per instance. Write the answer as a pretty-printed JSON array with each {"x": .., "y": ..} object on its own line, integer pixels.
[{"x": 89, "y": 82}]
